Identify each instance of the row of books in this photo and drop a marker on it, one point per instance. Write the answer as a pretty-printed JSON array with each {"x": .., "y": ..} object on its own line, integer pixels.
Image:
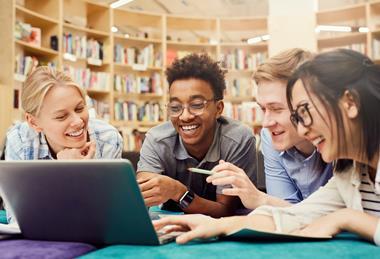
[
  {"x": 147, "y": 57},
  {"x": 130, "y": 83},
  {"x": 25, "y": 64},
  {"x": 88, "y": 79},
  {"x": 376, "y": 49},
  {"x": 241, "y": 59},
  {"x": 131, "y": 111},
  {"x": 248, "y": 112},
  {"x": 81, "y": 47},
  {"x": 239, "y": 87},
  {"x": 132, "y": 138},
  {"x": 360, "y": 47},
  {"x": 98, "y": 109}
]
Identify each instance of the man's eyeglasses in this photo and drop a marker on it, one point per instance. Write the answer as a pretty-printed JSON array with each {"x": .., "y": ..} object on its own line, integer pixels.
[
  {"x": 302, "y": 115},
  {"x": 195, "y": 107}
]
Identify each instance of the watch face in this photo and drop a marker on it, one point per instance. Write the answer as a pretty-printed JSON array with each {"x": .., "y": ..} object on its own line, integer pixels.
[{"x": 186, "y": 200}]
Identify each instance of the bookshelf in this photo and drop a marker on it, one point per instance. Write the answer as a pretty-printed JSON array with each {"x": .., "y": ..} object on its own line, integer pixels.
[
  {"x": 355, "y": 17},
  {"x": 119, "y": 57}
]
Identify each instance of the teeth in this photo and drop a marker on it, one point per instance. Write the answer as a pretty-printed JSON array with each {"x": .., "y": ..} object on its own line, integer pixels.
[
  {"x": 189, "y": 127},
  {"x": 76, "y": 133},
  {"x": 276, "y": 133},
  {"x": 318, "y": 140}
]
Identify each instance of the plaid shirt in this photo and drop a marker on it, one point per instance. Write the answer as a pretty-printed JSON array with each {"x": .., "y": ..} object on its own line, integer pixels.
[{"x": 23, "y": 143}]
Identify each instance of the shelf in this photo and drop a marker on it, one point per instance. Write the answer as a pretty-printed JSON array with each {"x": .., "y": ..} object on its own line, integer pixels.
[
  {"x": 97, "y": 91},
  {"x": 136, "y": 67},
  {"x": 243, "y": 23},
  {"x": 239, "y": 71},
  {"x": 239, "y": 99},
  {"x": 135, "y": 124},
  {"x": 89, "y": 32},
  {"x": 189, "y": 43},
  {"x": 136, "y": 39},
  {"x": 37, "y": 19},
  {"x": 333, "y": 16},
  {"x": 36, "y": 50},
  {"x": 90, "y": 62},
  {"x": 350, "y": 38},
  {"x": 143, "y": 96},
  {"x": 253, "y": 124}
]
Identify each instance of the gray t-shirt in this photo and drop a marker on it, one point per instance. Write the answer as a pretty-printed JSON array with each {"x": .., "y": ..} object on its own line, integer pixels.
[{"x": 164, "y": 153}]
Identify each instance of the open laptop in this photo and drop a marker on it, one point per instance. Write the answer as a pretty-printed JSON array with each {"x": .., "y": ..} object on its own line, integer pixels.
[{"x": 91, "y": 201}]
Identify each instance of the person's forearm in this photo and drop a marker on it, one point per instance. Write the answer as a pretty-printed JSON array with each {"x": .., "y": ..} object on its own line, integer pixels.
[
  {"x": 360, "y": 223},
  {"x": 212, "y": 208},
  {"x": 274, "y": 201},
  {"x": 257, "y": 222}
]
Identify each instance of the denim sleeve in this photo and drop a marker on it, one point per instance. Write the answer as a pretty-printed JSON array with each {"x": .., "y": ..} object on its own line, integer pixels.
[
  {"x": 13, "y": 146},
  {"x": 277, "y": 180}
]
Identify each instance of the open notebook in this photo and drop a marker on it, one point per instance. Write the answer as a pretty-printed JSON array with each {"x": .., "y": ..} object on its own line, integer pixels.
[{"x": 255, "y": 235}]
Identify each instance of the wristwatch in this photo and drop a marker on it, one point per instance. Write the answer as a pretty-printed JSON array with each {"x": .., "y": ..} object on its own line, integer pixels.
[{"x": 186, "y": 199}]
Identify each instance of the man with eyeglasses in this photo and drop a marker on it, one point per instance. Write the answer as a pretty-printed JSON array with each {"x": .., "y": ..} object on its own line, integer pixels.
[
  {"x": 197, "y": 135},
  {"x": 293, "y": 167}
]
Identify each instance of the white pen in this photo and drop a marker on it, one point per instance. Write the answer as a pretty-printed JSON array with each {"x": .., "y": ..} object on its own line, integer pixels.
[{"x": 200, "y": 171}]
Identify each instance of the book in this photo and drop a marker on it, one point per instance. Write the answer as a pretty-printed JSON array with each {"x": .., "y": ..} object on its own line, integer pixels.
[{"x": 256, "y": 235}]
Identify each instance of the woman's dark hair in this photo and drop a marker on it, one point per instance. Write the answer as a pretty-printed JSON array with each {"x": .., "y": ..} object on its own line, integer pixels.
[
  {"x": 329, "y": 75},
  {"x": 198, "y": 66}
]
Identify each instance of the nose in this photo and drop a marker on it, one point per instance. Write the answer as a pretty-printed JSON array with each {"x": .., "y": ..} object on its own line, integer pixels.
[
  {"x": 268, "y": 121},
  {"x": 186, "y": 115},
  {"x": 77, "y": 120},
  {"x": 302, "y": 130}
]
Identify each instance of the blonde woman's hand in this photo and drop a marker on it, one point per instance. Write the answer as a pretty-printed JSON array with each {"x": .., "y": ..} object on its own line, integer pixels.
[
  {"x": 85, "y": 152},
  {"x": 241, "y": 186}
]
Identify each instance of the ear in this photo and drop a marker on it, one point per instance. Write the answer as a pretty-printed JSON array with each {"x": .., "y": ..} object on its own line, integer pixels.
[
  {"x": 32, "y": 122},
  {"x": 219, "y": 108},
  {"x": 350, "y": 104}
]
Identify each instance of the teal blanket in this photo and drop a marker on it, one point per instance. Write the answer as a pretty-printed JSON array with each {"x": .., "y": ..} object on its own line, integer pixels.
[
  {"x": 343, "y": 246},
  {"x": 3, "y": 218}
]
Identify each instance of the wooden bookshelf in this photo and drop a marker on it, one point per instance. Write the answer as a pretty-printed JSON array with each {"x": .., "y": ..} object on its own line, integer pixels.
[{"x": 69, "y": 20}]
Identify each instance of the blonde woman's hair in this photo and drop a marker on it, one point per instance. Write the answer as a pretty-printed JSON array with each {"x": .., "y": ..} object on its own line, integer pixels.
[
  {"x": 38, "y": 83},
  {"x": 281, "y": 66}
]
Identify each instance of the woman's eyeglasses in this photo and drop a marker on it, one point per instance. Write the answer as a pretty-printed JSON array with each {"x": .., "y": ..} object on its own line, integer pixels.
[{"x": 301, "y": 115}]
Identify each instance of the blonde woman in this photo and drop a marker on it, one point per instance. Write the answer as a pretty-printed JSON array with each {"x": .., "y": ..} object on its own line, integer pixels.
[{"x": 57, "y": 123}]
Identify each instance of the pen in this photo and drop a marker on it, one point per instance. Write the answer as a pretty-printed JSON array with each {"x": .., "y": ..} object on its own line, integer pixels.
[{"x": 200, "y": 171}]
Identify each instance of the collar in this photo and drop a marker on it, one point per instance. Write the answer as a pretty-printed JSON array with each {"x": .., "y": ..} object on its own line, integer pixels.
[
  {"x": 44, "y": 152},
  {"x": 294, "y": 153}
]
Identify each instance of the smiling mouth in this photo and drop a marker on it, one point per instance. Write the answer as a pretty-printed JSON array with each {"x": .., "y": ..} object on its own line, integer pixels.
[
  {"x": 188, "y": 128},
  {"x": 75, "y": 133},
  {"x": 277, "y": 133},
  {"x": 317, "y": 140}
]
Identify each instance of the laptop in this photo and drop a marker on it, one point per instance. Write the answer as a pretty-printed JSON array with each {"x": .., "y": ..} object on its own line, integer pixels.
[{"x": 91, "y": 201}]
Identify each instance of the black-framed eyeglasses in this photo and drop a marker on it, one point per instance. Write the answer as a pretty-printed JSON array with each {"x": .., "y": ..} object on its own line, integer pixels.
[
  {"x": 196, "y": 107},
  {"x": 301, "y": 115}
]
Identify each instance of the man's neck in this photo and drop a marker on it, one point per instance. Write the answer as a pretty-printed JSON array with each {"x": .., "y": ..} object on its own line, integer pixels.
[{"x": 305, "y": 148}]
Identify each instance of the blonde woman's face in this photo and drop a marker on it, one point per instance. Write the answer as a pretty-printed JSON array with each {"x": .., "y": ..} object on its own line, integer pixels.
[{"x": 63, "y": 118}]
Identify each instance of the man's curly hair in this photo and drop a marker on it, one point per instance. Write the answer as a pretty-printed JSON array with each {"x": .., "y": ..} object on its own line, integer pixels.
[{"x": 198, "y": 66}]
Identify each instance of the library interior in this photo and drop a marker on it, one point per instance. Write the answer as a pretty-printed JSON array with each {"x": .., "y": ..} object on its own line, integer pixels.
[{"x": 131, "y": 61}]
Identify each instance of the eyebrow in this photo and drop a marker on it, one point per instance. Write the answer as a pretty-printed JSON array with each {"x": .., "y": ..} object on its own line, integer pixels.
[
  {"x": 63, "y": 110},
  {"x": 192, "y": 97}
]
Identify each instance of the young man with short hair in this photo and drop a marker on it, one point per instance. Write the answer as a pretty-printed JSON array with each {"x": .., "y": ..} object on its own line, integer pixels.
[
  {"x": 197, "y": 135},
  {"x": 293, "y": 167}
]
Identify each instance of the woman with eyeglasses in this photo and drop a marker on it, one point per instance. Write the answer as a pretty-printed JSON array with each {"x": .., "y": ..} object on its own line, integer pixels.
[{"x": 334, "y": 100}]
